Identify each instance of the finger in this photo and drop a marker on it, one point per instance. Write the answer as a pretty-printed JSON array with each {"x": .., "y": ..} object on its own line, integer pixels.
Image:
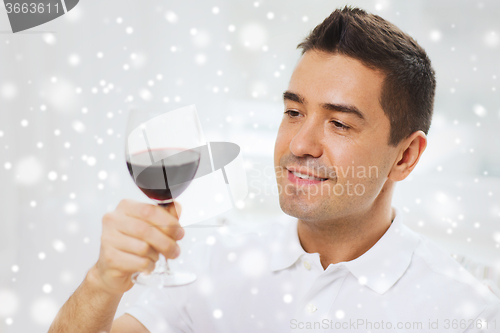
[
  {"x": 127, "y": 262},
  {"x": 161, "y": 242},
  {"x": 153, "y": 214},
  {"x": 133, "y": 245},
  {"x": 175, "y": 209}
]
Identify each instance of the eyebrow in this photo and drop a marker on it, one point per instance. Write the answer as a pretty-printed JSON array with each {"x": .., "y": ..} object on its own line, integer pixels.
[{"x": 288, "y": 95}]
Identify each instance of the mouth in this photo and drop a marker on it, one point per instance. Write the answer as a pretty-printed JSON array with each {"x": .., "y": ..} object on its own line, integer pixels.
[{"x": 304, "y": 176}]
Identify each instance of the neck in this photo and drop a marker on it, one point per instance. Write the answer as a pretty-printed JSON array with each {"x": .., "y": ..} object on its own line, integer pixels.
[{"x": 346, "y": 238}]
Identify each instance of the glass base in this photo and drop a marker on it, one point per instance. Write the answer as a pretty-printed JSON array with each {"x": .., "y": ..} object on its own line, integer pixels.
[{"x": 162, "y": 279}]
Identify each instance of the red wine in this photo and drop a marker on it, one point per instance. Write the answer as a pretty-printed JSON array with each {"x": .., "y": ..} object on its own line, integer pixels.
[{"x": 169, "y": 175}]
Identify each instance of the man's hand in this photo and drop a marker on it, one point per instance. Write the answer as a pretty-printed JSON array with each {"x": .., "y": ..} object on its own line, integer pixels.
[{"x": 133, "y": 235}]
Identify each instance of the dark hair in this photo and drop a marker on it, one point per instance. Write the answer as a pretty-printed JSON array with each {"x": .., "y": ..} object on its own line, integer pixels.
[{"x": 407, "y": 96}]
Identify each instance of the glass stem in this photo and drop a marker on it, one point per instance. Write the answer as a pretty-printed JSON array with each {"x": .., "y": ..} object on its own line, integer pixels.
[{"x": 162, "y": 264}]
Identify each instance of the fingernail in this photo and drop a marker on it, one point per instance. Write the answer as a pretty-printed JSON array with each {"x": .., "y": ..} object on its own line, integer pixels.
[
  {"x": 179, "y": 233},
  {"x": 177, "y": 251}
]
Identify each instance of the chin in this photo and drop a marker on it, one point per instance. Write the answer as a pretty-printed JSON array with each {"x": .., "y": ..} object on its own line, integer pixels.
[
  {"x": 321, "y": 209},
  {"x": 300, "y": 209}
]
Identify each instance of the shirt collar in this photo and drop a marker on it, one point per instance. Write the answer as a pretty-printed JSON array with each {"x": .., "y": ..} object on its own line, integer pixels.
[{"x": 379, "y": 268}]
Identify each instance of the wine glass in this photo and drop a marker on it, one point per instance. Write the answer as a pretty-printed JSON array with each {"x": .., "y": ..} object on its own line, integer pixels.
[{"x": 162, "y": 151}]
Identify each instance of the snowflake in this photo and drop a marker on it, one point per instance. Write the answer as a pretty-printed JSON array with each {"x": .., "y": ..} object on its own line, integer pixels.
[{"x": 217, "y": 313}]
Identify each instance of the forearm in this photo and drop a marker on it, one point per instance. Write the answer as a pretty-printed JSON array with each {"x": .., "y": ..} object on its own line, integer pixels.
[{"x": 90, "y": 309}]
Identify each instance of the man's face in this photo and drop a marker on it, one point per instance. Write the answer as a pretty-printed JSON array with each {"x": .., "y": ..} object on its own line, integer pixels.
[{"x": 335, "y": 130}]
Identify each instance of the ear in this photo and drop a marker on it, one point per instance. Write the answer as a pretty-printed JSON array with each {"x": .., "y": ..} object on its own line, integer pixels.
[{"x": 409, "y": 153}]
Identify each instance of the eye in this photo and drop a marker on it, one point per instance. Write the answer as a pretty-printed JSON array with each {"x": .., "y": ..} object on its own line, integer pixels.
[
  {"x": 292, "y": 113},
  {"x": 339, "y": 125}
]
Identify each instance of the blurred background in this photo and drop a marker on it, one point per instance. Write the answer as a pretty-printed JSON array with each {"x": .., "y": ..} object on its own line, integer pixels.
[{"x": 66, "y": 88}]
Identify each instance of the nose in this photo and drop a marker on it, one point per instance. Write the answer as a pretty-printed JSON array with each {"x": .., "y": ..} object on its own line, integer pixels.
[{"x": 307, "y": 141}]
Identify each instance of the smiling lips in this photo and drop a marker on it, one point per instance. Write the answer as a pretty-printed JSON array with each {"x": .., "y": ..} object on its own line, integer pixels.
[{"x": 303, "y": 177}]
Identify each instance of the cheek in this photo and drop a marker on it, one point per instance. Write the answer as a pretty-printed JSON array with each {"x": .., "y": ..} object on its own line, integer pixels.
[
  {"x": 370, "y": 170},
  {"x": 341, "y": 154},
  {"x": 355, "y": 163},
  {"x": 281, "y": 145}
]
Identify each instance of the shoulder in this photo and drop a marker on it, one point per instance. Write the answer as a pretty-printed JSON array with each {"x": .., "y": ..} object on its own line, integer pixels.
[{"x": 440, "y": 272}]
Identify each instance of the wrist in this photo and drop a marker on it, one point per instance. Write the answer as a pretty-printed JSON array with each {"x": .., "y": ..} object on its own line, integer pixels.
[{"x": 96, "y": 284}]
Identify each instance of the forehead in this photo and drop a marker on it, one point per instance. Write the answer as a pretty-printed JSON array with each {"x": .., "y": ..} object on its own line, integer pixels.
[{"x": 333, "y": 78}]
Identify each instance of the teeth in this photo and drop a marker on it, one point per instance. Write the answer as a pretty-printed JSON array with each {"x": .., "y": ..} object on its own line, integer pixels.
[{"x": 302, "y": 176}]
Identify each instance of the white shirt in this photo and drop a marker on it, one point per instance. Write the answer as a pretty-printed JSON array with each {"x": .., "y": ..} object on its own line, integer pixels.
[{"x": 265, "y": 281}]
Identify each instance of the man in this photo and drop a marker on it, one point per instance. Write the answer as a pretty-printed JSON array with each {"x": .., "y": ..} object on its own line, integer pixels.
[{"x": 357, "y": 111}]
